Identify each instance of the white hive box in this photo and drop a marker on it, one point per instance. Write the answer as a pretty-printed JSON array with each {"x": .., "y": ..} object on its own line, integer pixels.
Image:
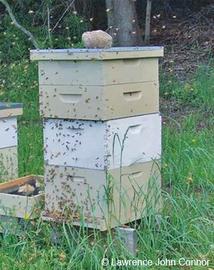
[
  {"x": 8, "y": 139},
  {"x": 98, "y": 84},
  {"x": 20, "y": 206},
  {"x": 101, "y": 199},
  {"x": 100, "y": 145}
]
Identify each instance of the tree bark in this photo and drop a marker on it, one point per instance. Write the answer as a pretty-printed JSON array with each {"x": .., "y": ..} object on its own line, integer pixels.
[
  {"x": 110, "y": 16},
  {"x": 123, "y": 23},
  {"x": 148, "y": 21}
]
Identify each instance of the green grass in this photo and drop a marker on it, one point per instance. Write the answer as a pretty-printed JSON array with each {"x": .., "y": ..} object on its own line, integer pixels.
[
  {"x": 19, "y": 83},
  {"x": 187, "y": 222},
  {"x": 196, "y": 92}
]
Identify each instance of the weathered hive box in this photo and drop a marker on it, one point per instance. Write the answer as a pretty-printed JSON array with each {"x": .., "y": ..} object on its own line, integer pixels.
[
  {"x": 102, "y": 145},
  {"x": 21, "y": 206},
  {"x": 8, "y": 139},
  {"x": 101, "y": 199},
  {"x": 98, "y": 84}
]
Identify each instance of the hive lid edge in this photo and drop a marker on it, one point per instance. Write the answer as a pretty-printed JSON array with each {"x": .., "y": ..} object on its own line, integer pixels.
[
  {"x": 10, "y": 109},
  {"x": 97, "y": 54}
]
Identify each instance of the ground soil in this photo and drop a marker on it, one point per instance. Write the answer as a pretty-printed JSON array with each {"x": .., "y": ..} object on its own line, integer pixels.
[{"x": 188, "y": 40}]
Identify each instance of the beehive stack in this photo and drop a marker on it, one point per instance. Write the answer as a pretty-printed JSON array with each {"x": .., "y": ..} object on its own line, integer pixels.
[
  {"x": 8, "y": 140},
  {"x": 102, "y": 133}
]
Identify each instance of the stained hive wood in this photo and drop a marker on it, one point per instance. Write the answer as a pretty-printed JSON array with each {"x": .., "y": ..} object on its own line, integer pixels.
[
  {"x": 102, "y": 199},
  {"x": 98, "y": 84}
]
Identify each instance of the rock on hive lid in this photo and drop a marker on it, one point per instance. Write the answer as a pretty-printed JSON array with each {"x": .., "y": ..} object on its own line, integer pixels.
[
  {"x": 97, "y": 54},
  {"x": 10, "y": 109}
]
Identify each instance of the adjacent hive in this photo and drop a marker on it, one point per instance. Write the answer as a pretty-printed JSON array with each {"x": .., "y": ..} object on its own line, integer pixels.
[{"x": 8, "y": 140}]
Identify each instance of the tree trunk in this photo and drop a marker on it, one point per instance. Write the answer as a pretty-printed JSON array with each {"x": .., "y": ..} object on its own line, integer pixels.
[
  {"x": 110, "y": 16},
  {"x": 148, "y": 19},
  {"x": 123, "y": 23}
]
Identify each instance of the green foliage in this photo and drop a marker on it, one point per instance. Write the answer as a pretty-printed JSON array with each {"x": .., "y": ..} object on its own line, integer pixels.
[
  {"x": 189, "y": 151},
  {"x": 188, "y": 129},
  {"x": 185, "y": 230},
  {"x": 64, "y": 32},
  {"x": 19, "y": 83},
  {"x": 73, "y": 27},
  {"x": 196, "y": 92},
  {"x": 13, "y": 43}
]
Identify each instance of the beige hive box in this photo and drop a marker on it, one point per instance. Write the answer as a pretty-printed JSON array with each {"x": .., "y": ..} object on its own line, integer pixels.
[
  {"x": 98, "y": 84},
  {"x": 101, "y": 199},
  {"x": 8, "y": 140},
  {"x": 20, "y": 206}
]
